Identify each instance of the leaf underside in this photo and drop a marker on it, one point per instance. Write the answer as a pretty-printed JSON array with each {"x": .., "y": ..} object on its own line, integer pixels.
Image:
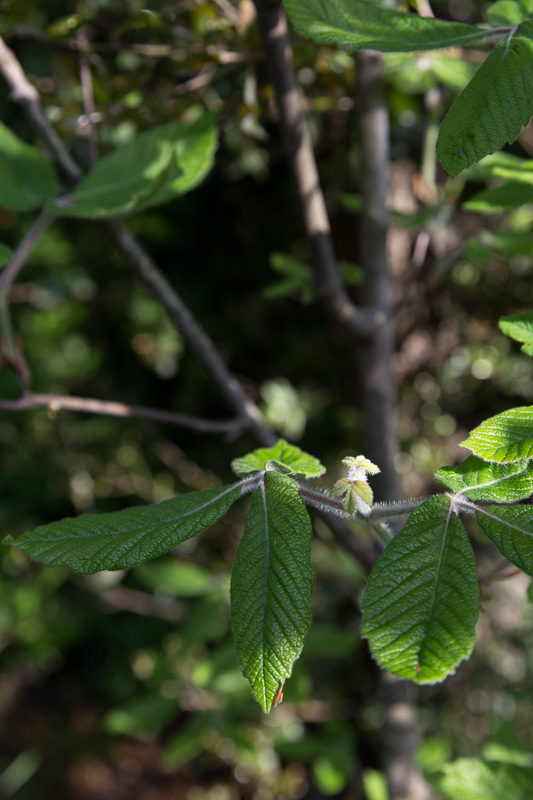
[
  {"x": 272, "y": 586},
  {"x": 357, "y": 26},
  {"x": 494, "y": 106},
  {"x": 420, "y": 605},
  {"x": 504, "y": 438},
  {"x": 121, "y": 539}
]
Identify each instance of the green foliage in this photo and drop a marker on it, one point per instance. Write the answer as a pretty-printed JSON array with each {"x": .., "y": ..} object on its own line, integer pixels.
[
  {"x": 294, "y": 459},
  {"x": 511, "y": 530},
  {"x": 494, "y": 106},
  {"x": 473, "y": 779},
  {"x": 509, "y": 12},
  {"x": 272, "y": 587},
  {"x": 157, "y": 166},
  {"x": 27, "y": 177},
  {"x": 5, "y": 254},
  {"x": 420, "y": 605},
  {"x": 504, "y": 438},
  {"x": 122, "y": 539},
  {"x": 520, "y": 328},
  {"x": 363, "y": 26},
  {"x": 481, "y": 480}
]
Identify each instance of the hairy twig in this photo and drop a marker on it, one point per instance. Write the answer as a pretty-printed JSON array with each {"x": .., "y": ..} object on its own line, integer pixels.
[
  {"x": 90, "y": 405},
  {"x": 299, "y": 150}
]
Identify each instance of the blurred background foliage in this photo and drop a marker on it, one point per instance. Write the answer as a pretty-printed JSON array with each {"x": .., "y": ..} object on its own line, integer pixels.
[{"x": 126, "y": 685}]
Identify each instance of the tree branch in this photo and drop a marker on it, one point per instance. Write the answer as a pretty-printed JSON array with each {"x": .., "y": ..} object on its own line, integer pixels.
[
  {"x": 301, "y": 158},
  {"x": 90, "y": 405}
]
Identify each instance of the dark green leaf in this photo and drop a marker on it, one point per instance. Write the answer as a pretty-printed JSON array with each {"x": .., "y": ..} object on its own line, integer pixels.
[
  {"x": 288, "y": 454},
  {"x": 421, "y": 605},
  {"x": 122, "y": 539},
  {"x": 27, "y": 178},
  {"x": 493, "y": 107},
  {"x": 511, "y": 530},
  {"x": 272, "y": 586},
  {"x": 505, "y": 437},
  {"x": 357, "y": 26},
  {"x": 481, "y": 480}
]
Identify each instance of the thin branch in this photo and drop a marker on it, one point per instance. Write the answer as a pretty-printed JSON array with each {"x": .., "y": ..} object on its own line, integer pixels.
[
  {"x": 86, "y": 81},
  {"x": 90, "y": 405},
  {"x": 18, "y": 259},
  {"x": 299, "y": 151}
]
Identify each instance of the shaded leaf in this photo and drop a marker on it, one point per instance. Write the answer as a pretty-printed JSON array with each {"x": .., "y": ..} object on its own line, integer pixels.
[
  {"x": 504, "y": 438},
  {"x": 497, "y": 102},
  {"x": 157, "y": 166},
  {"x": 420, "y": 605},
  {"x": 357, "y": 26},
  {"x": 272, "y": 586},
  {"x": 27, "y": 178},
  {"x": 509, "y": 12},
  {"x": 481, "y": 480},
  {"x": 119, "y": 540},
  {"x": 511, "y": 530},
  {"x": 288, "y": 454}
]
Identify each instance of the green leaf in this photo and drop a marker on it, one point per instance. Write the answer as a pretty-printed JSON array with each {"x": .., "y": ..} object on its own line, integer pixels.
[
  {"x": 27, "y": 178},
  {"x": 473, "y": 779},
  {"x": 509, "y": 12},
  {"x": 499, "y": 198},
  {"x": 494, "y": 106},
  {"x": 520, "y": 328},
  {"x": 288, "y": 454},
  {"x": 511, "y": 530},
  {"x": 481, "y": 480},
  {"x": 502, "y": 165},
  {"x": 421, "y": 605},
  {"x": 157, "y": 166},
  {"x": 357, "y": 26},
  {"x": 272, "y": 586},
  {"x": 5, "y": 254},
  {"x": 122, "y": 539},
  {"x": 505, "y": 437}
]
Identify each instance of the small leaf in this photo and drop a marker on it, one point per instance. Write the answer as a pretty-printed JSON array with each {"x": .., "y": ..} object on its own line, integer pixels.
[
  {"x": 481, "y": 480},
  {"x": 520, "y": 328},
  {"x": 364, "y": 491},
  {"x": 420, "y": 605},
  {"x": 504, "y": 438},
  {"x": 27, "y": 178},
  {"x": 119, "y": 540},
  {"x": 473, "y": 779},
  {"x": 497, "y": 102},
  {"x": 272, "y": 586},
  {"x": 492, "y": 201},
  {"x": 157, "y": 166},
  {"x": 359, "y": 26},
  {"x": 288, "y": 454},
  {"x": 509, "y": 12},
  {"x": 511, "y": 530}
]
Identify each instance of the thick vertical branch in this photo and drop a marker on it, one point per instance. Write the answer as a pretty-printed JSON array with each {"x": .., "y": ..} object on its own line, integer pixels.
[
  {"x": 379, "y": 386},
  {"x": 379, "y": 389},
  {"x": 301, "y": 158}
]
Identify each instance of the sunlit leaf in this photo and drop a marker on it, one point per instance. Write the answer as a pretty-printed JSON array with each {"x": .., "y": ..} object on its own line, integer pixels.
[
  {"x": 505, "y": 437},
  {"x": 421, "y": 605},
  {"x": 359, "y": 25},
  {"x": 272, "y": 586},
  {"x": 481, "y": 480},
  {"x": 288, "y": 454},
  {"x": 499, "y": 198},
  {"x": 520, "y": 328},
  {"x": 473, "y": 779}
]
